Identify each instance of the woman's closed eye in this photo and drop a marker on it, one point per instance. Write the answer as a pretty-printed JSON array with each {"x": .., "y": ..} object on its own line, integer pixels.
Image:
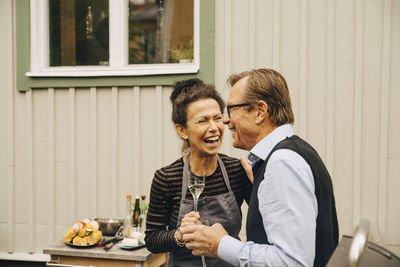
[{"x": 218, "y": 118}]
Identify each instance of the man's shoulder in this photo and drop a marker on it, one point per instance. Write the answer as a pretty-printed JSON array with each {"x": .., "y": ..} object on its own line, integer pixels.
[
  {"x": 293, "y": 142},
  {"x": 284, "y": 156},
  {"x": 297, "y": 145}
]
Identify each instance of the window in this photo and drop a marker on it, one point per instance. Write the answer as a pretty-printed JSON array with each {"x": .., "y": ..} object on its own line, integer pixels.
[
  {"x": 78, "y": 38},
  {"x": 78, "y": 33}
]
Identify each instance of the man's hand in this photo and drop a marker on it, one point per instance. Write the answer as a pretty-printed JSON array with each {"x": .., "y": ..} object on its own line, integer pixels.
[{"x": 203, "y": 240}]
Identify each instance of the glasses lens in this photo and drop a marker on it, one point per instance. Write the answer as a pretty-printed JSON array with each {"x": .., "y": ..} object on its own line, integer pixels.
[{"x": 229, "y": 107}]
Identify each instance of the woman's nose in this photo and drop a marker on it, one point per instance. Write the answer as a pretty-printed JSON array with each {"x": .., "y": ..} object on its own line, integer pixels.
[{"x": 213, "y": 125}]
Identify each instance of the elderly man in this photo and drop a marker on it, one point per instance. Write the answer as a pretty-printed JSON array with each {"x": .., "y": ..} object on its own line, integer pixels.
[{"x": 291, "y": 219}]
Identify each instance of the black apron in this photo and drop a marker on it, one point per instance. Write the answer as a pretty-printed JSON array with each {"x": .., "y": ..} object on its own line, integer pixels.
[{"x": 221, "y": 209}]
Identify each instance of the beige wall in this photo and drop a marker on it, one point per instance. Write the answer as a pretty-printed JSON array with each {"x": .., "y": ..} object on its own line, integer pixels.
[
  {"x": 66, "y": 154},
  {"x": 342, "y": 62}
]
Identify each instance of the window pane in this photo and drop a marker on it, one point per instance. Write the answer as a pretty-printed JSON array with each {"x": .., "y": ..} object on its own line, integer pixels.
[
  {"x": 78, "y": 32},
  {"x": 160, "y": 31}
]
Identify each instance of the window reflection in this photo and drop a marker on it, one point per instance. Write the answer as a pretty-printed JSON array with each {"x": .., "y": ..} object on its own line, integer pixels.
[
  {"x": 79, "y": 32},
  {"x": 160, "y": 31}
]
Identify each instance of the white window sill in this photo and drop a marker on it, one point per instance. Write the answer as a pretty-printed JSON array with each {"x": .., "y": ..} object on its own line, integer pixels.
[{"x": 103, "y": 71}]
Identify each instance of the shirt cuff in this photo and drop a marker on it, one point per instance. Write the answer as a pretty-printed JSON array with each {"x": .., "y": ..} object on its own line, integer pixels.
[{"x": 229, "y": 249}]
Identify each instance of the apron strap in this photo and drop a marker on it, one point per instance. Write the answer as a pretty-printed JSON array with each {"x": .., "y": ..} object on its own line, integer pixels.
[
  {"x": 224, "y": 173},
  {"x": 186, "y": 172},
  {"x": 185, "y": 177}
]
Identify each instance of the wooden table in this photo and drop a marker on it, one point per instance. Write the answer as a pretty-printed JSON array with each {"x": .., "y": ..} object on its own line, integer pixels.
[{"x": 61, "y": 253}]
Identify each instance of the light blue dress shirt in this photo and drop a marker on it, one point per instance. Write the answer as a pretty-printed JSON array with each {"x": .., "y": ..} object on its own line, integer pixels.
[{"x": 288, "y": 207}]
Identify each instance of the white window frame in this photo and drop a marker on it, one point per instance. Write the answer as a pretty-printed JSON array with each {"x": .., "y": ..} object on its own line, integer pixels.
[{"x": 118, "y": 40}]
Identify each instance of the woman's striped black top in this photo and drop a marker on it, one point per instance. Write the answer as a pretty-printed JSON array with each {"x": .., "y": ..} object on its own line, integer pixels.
[{"x": 165, "y": 196}]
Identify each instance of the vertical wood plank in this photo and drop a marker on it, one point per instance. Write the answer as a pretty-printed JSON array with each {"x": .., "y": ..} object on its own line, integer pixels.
[
  {"x": 114, "y": 151},
  {"x": 330, "y": 84},
  {"x": 11, "y": 140},
  {"x": 10, "y": 171},
  {"x": 303, "y": 68},
  {"x": 30, "y": 207},
  {"x": 276, "y": 20},
  {"x": 357, "y": 121},
  {"x": 228, "y": 36},
  {"x": 384, "y": 118},
  {"x": 51, "y": 162},
  {"x": 227, "y": 53},
  {"x": 159, "y": 128},
  {"x": 72, "y": 171},
  {"x": 93, "y": 148},
  {"x": 252, "y": 34},
  {"x": 136, "y": 138}
]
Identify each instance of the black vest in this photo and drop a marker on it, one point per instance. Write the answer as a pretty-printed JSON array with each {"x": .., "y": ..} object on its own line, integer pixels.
[{"x": 327, "y": 232}]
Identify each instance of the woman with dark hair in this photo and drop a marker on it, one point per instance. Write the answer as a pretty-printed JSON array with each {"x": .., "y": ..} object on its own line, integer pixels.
[{"x": 197, "y": 110}]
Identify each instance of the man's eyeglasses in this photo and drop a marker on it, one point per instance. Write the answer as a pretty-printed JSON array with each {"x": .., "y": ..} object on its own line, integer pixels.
[{"x": 229, "y": 107}]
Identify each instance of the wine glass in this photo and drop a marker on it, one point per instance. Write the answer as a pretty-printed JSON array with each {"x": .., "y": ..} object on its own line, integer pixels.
[{"x": 196, "y": 186}]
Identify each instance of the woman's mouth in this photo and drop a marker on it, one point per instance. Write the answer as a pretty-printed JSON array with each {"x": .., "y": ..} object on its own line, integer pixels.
[{"x": 212, "y": 141}]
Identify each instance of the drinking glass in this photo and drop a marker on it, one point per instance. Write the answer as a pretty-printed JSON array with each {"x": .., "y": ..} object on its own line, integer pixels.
[{"x": 196, "y": 186}]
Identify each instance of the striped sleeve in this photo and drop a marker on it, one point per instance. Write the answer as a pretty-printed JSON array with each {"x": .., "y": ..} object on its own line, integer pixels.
[{"x": 158, "y": 238}]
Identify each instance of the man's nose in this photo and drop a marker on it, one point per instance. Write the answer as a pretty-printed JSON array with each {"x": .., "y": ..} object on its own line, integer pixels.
[{"x": 225, "y": 119}]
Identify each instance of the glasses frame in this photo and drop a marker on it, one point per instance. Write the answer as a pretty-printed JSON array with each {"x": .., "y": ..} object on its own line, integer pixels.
[{"x": 229, "y": 107}]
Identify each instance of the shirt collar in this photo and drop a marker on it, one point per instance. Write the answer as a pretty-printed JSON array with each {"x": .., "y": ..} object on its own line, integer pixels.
[
  {"x": 253, "y": 159},
  {"x": 265, "y": 146}
]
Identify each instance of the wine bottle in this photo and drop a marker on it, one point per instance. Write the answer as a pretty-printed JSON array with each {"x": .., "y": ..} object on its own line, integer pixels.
[
  {"x": 136, "y": 212},
  {"x": 128, "y": 217},
  {"x": 142, "y": 219}
]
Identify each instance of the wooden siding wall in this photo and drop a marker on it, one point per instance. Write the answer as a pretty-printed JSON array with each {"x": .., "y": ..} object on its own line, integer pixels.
[
  {"x": 78, "y": 152},
  {"x": 71, "y": 153},
  {"x": 341, "y": 60}
]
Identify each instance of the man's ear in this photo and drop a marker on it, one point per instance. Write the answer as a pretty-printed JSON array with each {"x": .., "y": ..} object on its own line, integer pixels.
[
  {"x": 181, "y": 131},
  {"x": 262, "y": 111}
]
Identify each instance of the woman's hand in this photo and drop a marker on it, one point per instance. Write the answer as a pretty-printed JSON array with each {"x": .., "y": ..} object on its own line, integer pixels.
[
  {"x": 247, "y": 168},
  {"x": 190, "y": 218}
]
